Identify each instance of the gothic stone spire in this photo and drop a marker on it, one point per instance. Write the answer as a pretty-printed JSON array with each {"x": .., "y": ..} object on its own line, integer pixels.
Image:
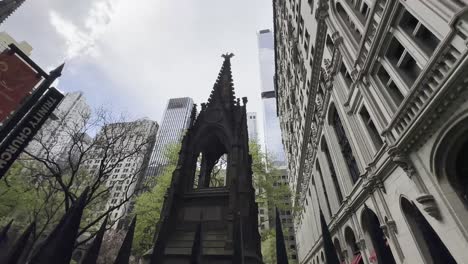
[{"x": 223, "y": 90}]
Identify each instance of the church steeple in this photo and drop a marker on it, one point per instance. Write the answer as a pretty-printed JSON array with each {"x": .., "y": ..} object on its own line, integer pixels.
[
  {"x": 223, "y": 90},
  {"x": 7, "y": 7}
]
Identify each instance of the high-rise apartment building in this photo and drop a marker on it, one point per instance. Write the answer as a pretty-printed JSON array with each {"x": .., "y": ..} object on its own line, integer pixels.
[
  {"x": 56, "y": 134},
  {"x": 174, "y": 123},
  {"x": 252, "y": 125},
  {"x": 373, "y": 110},
  {"x": 273, "y": 144},
  {"x": 133, "y": 141}
]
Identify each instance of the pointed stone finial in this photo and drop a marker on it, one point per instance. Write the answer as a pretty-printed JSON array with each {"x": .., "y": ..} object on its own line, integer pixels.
[
  {"x": 4, "y": 232},
  {"x": 17, "y": 250},
  {"x": 228, "y": 55},
  {"x": 60, "y": 243},
  {"x": 92, "y": 253},
  {"x": 123, "y": 256},
  {"x": 244, "y": 100},
  {"x": 57, "y": 72}
]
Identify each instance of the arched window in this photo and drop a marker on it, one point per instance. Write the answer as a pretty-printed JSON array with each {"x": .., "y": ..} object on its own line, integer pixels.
[
  {"x": 339, "y": 252},
  {"x": 345, "y": 147},
  {"x": 451, "y": 163},
  {"x": 332, "y": 171},
  {"x": 381, "y": 249},
  {"x": 319, "y": 170},
  {"x": 460, "y": 179},
  {"x": 353, "y": 249},
  {"x": 432, "y": 248}
]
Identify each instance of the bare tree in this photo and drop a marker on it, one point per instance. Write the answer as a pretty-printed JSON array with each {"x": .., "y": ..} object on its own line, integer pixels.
[{"x": 70, "y": 160}]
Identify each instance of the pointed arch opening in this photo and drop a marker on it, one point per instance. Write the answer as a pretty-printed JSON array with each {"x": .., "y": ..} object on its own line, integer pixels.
[
  {"x": 338, "y": 249},
  {"x": 451, "y": 166},
  {"x": 325, "y": 193},
  {"x": 345, "y": 147},
  {"x": 211, "y": 163},
  {"x": 354, "y": 254},
  {"x": 433, "y": 250},
  {"x": 333, "y": 175},
  {"x": 380, "y": 251}
]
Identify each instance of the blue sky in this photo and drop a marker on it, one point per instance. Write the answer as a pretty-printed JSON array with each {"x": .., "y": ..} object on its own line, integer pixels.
[{"x": 133, "y": 55}]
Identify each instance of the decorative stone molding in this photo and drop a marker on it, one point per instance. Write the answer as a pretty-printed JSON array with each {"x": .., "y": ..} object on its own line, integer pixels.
[
  {"x": 429, "y": 205},
  {"x": 426, "y": 199},
  {"x": 405, "y": 163},
  {"x": 385, "y": 230},
  {"x": 379, "y": 184},
  {"x": 391, "y": 224},
  {"x": 361, "y": 243},
  {"x": 389, "y": 227},
  {"x": 337, "y": 39},
  {"x": 344, "y": 252}
]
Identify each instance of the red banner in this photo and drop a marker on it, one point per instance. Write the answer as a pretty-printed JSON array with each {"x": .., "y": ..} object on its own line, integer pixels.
[{"x": 17, "y": 79}]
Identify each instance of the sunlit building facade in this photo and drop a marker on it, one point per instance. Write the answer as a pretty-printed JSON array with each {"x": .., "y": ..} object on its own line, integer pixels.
[{"x": 372, "y": 99}]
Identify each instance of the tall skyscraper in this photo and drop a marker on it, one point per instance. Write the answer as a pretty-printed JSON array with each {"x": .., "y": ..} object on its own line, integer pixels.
[
  {"x": 7, "y": 7},
  {"x": 272, "y": 134},
  {"x": 175, "y": 121},
  {"x": 56, "y": 134},
  {"x": 252, "y": 125}
]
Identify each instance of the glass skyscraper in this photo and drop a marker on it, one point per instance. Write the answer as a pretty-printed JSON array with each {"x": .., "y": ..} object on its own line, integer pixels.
[
  {"x": 273, "y": 144},
  {"x": 174, "y": 123}
]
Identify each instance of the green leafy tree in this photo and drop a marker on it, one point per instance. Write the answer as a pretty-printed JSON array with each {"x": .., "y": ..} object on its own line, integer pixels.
[
  {"x": 271, "y": 193},
  {"x": 23, "y": 198},
  {"x": 149, "y": 204}
]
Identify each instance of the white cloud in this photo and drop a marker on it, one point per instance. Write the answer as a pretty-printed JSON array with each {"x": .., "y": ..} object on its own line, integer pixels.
[{"x": 82, "y": 40}]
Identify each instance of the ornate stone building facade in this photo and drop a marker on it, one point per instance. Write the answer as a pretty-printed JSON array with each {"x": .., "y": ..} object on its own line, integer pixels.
[{"x": 372, "y": 99}]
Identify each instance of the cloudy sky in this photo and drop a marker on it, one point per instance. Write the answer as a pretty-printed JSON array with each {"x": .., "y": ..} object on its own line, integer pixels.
[{"x": 133, "y": 55}]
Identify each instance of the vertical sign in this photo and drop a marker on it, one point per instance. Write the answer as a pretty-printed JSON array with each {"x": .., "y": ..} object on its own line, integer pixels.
[
  {"x": 15, "y": 143},
  {"x": 17, "y": 79}
]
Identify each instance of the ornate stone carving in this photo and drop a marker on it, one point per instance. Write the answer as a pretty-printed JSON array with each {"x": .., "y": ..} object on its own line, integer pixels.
[
  {"x": 429, "y": 205},
  {"x": 405, "y": 163},
  {"x": 391, "y": 224}
]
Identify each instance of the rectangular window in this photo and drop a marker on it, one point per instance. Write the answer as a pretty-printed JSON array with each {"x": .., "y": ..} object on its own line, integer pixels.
[
  {"x": 346, "y": 75},
  {"x": 423, "y": 37},
  {"x": 403, "y": 62},
  {"x": 391, "y": 88}
]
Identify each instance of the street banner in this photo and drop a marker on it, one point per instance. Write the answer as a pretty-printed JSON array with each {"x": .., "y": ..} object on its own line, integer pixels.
[
  {"x": 17, "y": 80},
  {"x": 23, "y": 133}
]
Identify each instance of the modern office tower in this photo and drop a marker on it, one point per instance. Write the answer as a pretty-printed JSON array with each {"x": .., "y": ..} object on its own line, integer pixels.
[
  {"x": 7, "y": 7},
  {"x": 272, "y": 134},
  {"x": 56, "y": 134},
  {"x": 252, "y": 125},
  {"x": 372, "y": 101},
  {"x": 174, "y": 123},
  {"x": 131, "y": 141},
  {"x": 6, "y": 39}
]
